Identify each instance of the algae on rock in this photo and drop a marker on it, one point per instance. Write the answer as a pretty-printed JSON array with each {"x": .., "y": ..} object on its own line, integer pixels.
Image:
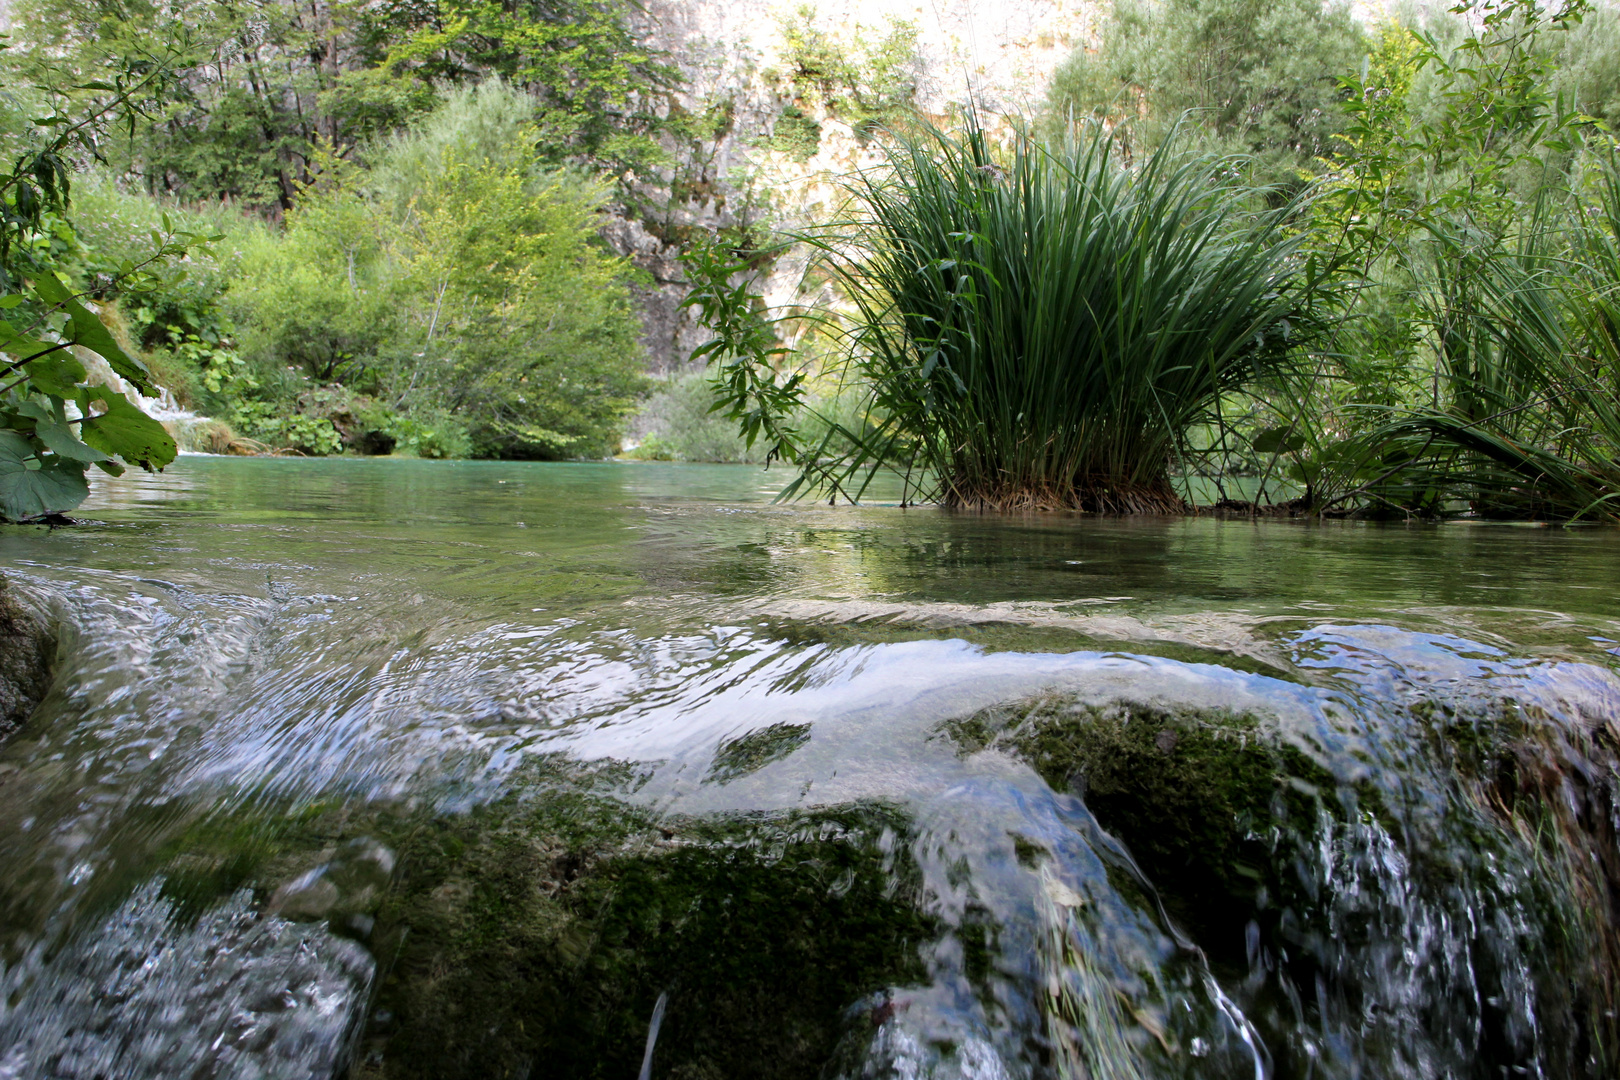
[
  {"x": 533, "y": 937},
  {"x": 1380, "y": 900}
]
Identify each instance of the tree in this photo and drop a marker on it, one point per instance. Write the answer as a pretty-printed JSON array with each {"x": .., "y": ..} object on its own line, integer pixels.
[
  {"x": 457, "y": 279},
  {"x": 264, "y": 85},
  {"x": 1259, "y": 77}
]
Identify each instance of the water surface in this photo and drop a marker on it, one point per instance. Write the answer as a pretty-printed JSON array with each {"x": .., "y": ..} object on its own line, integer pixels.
[{"x": 409, "y": 768}]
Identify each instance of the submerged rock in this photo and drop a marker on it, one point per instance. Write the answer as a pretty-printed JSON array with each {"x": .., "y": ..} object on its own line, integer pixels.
[
  {"x": 535, "y": 938},
  {"x": 27, "y": 649},
  {"x": 348, "y": 887}
]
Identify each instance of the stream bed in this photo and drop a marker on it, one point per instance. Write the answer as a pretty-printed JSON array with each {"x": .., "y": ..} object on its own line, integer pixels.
[{"x": 397, "y": 769}]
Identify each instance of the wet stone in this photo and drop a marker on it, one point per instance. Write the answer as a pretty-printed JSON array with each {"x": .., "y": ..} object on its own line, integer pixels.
[
  {"x": 348, "y": 887},
  {"x": 27, "y": 647}
]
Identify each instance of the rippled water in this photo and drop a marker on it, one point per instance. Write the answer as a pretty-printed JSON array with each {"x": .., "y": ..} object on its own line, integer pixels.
[{"x": 401, "y": 769}]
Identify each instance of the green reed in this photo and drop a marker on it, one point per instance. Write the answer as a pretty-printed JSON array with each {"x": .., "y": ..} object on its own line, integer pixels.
[
  {"x": 1526, "y": 421},
  {"x": 1042, "y": 324}
]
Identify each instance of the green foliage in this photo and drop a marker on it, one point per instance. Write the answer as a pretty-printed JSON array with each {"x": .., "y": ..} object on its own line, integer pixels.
[
  {"x": 1587, "y": 72},
  {"x": 796, "y": 134},
  {"x": 683, "y": 426},
  {"x": 1492, "y": 118},
  {"x": 178, "y": 318},
  {"x": 262, "y": 87},
  {"x": 868, "y": 82},
  {"x": 47, "y": 388},
  {"x": 1036, "y": 330},
  {"x": 1458, "y": 206},
  {"x": 1260, "y": 78},
  {"x": 273, "y": 426},
  {"x": 744, "y": 351},
  {"x": 456, "y": 279}
]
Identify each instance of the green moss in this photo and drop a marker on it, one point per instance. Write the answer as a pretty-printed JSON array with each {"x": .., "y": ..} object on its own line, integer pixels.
[
  {"x": 754, "y": 751},
  {"x": 533, "y": 936},
  {"x": 27, "y": 647},
  {"x": 994, "y": 637},
  {"x": 1204, "y": 801},
  {"x": 539, "y": 936}
]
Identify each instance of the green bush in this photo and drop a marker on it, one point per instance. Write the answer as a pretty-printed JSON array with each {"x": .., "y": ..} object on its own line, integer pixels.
[
  {"x": 682, "y": 426},
  {"x": 180, "y": 320},
  {"x": 299, "y": 432},
  {"x": 796, "y": 134},
  {"x": 1260, "y": 78},
  {"x": 459, "y": 282},
  {"x": 1043, "y": 329}
]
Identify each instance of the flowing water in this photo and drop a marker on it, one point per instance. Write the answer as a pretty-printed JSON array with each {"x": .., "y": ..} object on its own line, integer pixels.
[{"x": 422, "y": 769}]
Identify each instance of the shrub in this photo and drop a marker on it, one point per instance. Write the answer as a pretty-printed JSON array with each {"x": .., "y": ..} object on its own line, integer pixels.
[
  {"x": 682, "y": 426},
  {"x": 1041, "y": 329},
  {"x": 460, "y": 283},
  {"x": 1262, "y": 78}
]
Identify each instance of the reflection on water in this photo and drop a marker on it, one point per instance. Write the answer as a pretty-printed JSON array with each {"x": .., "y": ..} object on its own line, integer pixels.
[{"x": 858, "y": 792}]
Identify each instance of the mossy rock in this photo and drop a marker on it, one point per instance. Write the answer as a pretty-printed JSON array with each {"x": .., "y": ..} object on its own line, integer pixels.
[
  {"x": 1206, "y": 801},
  {"x": 752, "y": 752},
  {"x": 535, "y": 938},
  {"x": 27, "y": 649}
]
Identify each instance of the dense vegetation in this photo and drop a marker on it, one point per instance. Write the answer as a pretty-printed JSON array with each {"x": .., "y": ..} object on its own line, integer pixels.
[
  {"x": 327, "y": 227},
  {"x": 1430, "y": 239},
  {"x": 1255, "y": 254}
]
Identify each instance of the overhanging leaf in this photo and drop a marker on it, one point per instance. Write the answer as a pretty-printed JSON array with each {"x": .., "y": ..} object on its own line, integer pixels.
[
  {"x": 1278, "y": 441},
  {"x": 60, "y": 440},
  {"x": 54, "y": 487},
  {"x": 58, "y": 374},
  {"x": 86, "y": 329},
  {"x": 126, "y": 431}
]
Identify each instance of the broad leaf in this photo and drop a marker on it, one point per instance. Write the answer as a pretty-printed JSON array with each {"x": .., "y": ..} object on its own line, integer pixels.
[
  {"x": 1278, "y": 441},
  {"x": 126, "y": 431},
  {"x": 54, "y": 487},
  {"x": 59, "y": 439},
  {"x": 21, "y": 347},
  {"x": 34, "y": 411},
  {"x": 58, "y": 374},
  {"x": 92, "y": 333}
]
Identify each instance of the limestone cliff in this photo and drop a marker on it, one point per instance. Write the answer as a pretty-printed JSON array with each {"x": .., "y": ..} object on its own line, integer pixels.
[{"x": 782, "y": 98}]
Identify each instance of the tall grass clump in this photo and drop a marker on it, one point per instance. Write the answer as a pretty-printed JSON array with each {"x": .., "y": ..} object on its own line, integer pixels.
[
  {"x": 1042, "y": 326},
  {"x": 1526, "y": 416}
]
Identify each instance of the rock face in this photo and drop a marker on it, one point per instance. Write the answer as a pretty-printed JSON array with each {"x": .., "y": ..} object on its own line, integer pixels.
[
  {"x": 27, "y": 647},
  {"x": 784, "y": 96}
]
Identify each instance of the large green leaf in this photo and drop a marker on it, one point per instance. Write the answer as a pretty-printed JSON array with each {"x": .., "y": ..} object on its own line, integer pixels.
[
  {"x": 53, "y": 486},
  {"x": 88, "y": 330},
  {"x": 1278, "y": 441},
  {"x": 126, "y": 431},
  {"x": 58, "y": 374},
  {"x": 59, "y": 439}
]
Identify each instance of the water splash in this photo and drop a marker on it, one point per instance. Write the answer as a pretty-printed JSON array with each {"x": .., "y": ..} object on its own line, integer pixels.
[{"x": 235, "y": 994}]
